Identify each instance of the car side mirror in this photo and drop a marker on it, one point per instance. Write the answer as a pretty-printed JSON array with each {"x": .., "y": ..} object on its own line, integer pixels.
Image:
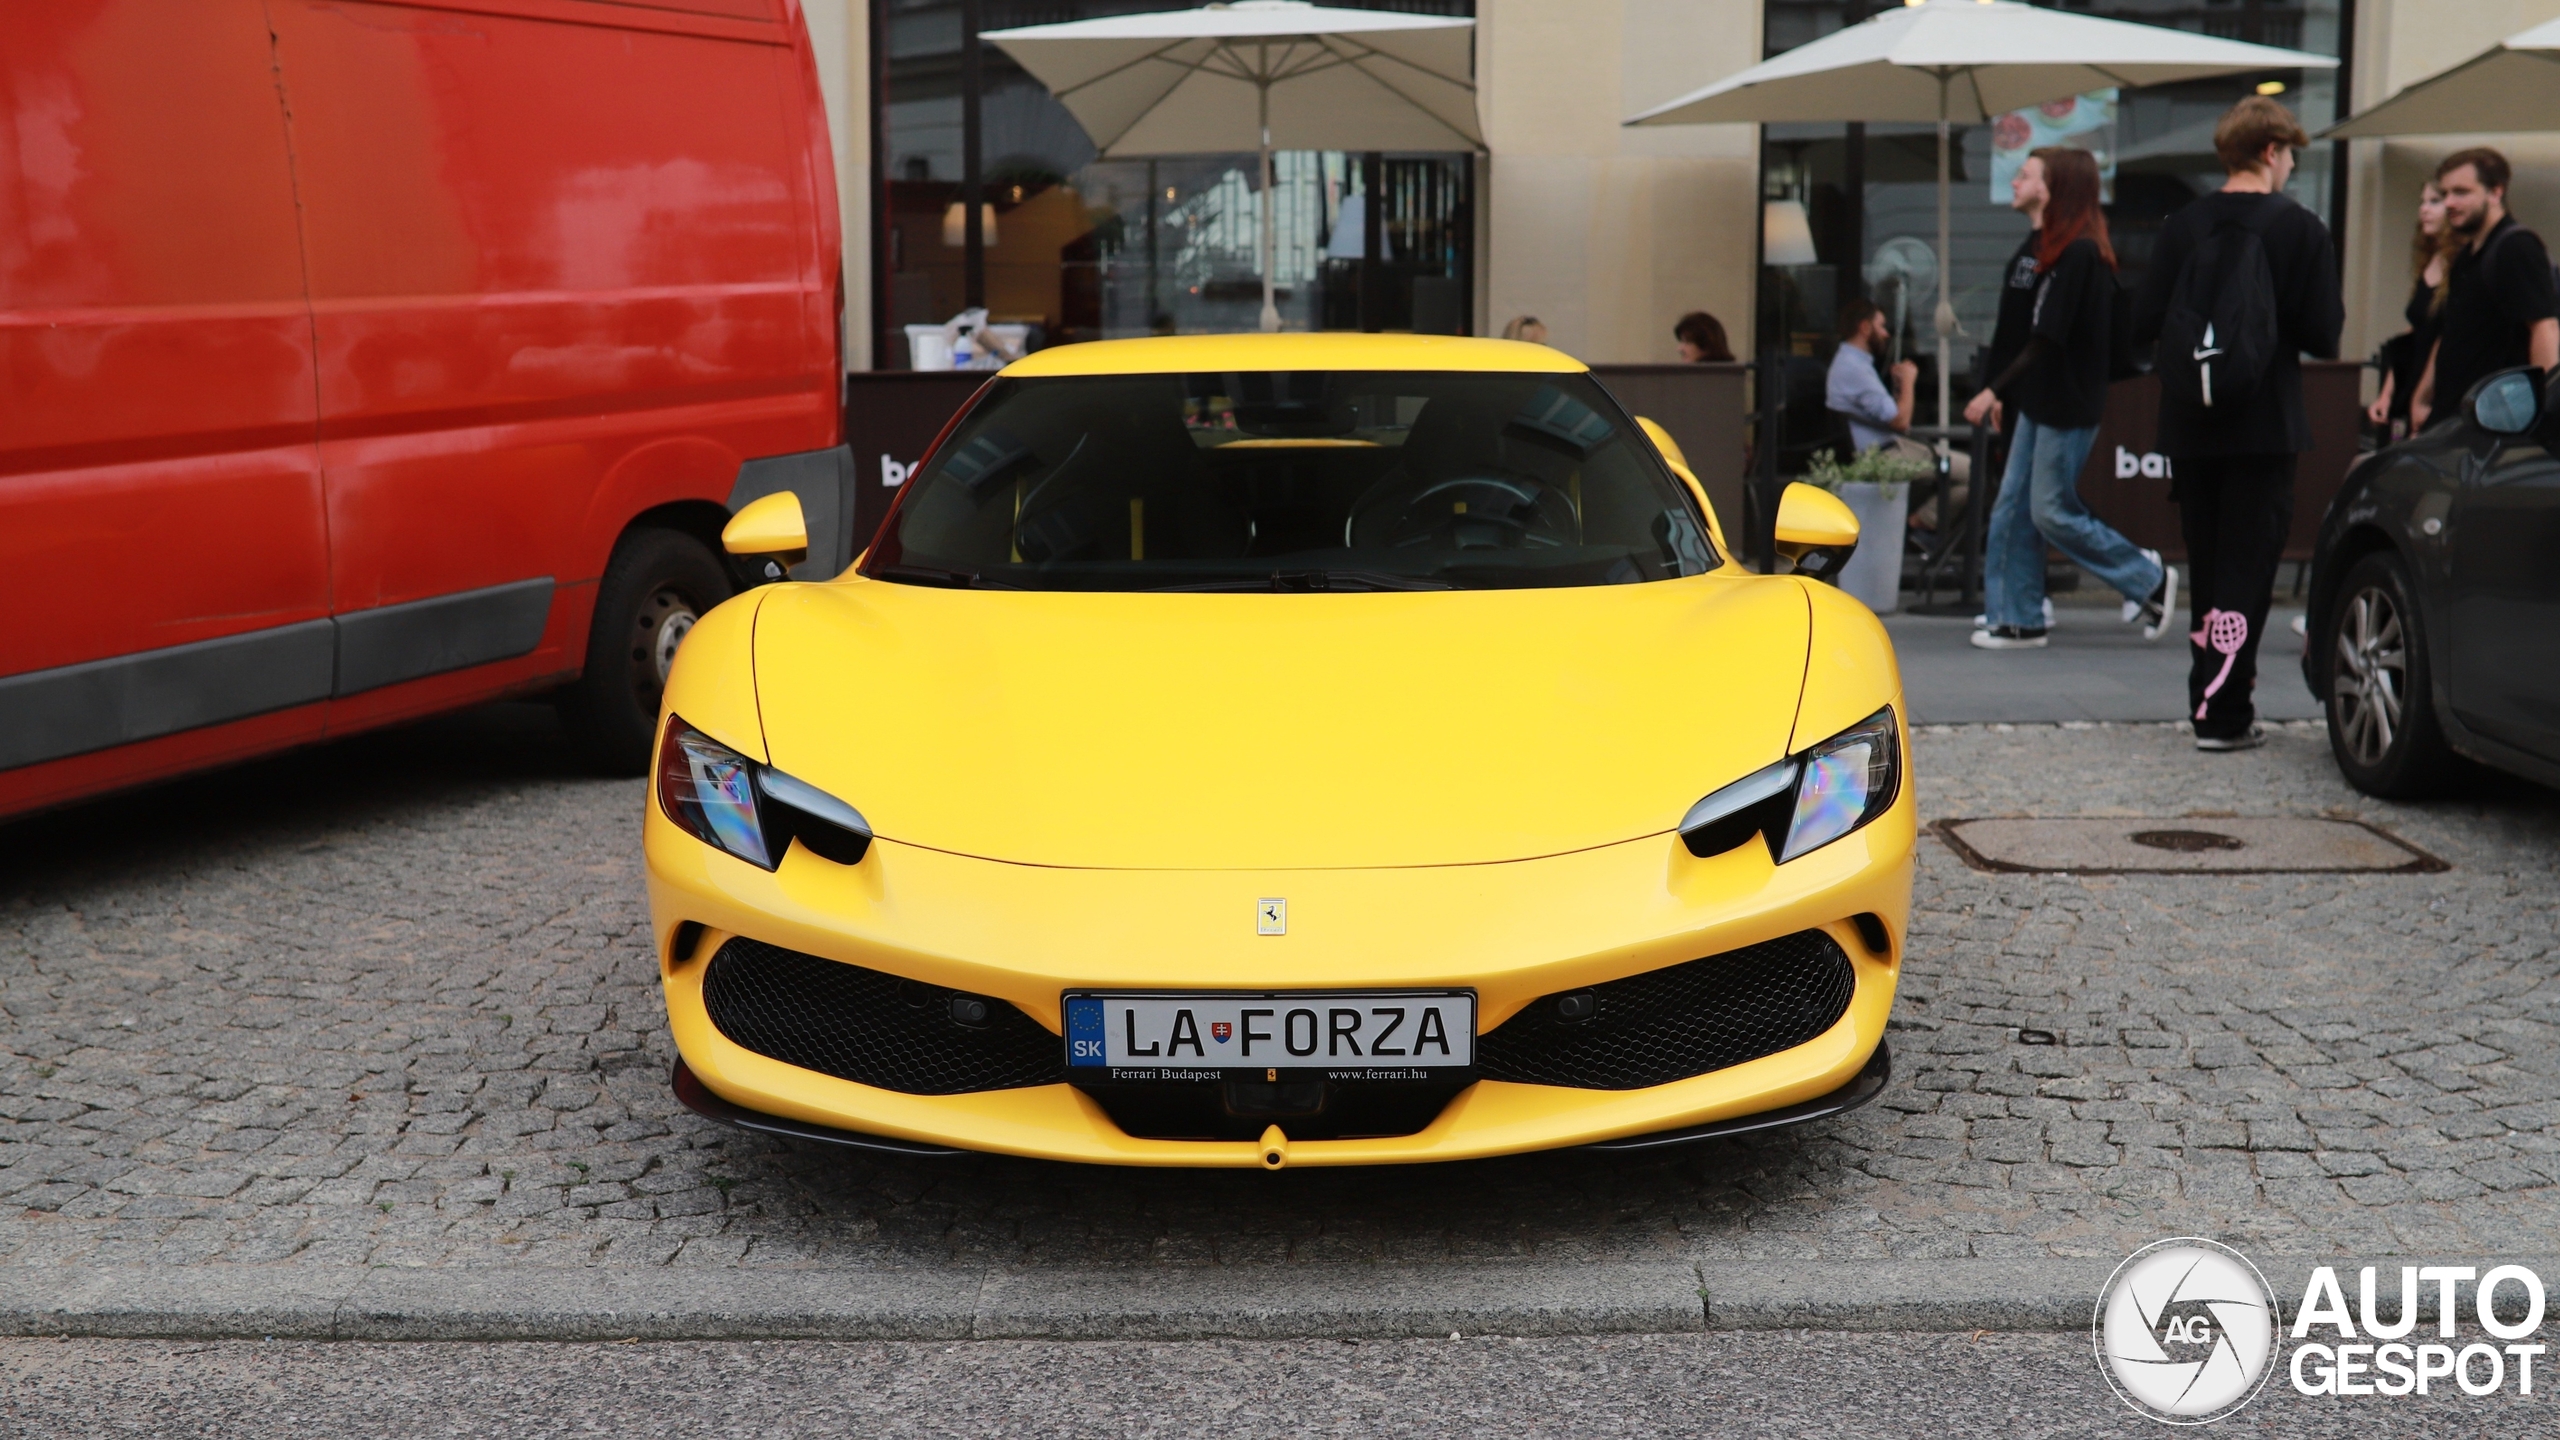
[
  {"x": 1816, "y": 530},
  {"x": 2506, "y": 403},
  {"x": 770, "y": 534}
]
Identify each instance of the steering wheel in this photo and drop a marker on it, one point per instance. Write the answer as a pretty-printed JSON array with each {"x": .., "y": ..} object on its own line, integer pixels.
[{"x": 1467, "y": 512}]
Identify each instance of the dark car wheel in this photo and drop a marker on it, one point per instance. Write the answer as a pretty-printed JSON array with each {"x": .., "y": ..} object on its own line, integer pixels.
[
  {"x": 2382, "y": 720},
  {"x": 656, "y": 585}
]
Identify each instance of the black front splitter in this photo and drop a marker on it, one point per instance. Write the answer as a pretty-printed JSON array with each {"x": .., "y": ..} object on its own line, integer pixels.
[
  {"x": 1862, "y": 1089},
  {"x": 697, "y": 1097},
  {"x": 1865, "y": 1086}
]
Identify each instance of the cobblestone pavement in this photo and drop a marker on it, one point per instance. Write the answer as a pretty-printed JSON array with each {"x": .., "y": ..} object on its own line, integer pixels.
[{"x": 392, "y": 1003}]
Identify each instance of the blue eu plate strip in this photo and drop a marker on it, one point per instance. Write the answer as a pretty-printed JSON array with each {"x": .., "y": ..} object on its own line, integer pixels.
[{"x": 1084, "y": 1032}]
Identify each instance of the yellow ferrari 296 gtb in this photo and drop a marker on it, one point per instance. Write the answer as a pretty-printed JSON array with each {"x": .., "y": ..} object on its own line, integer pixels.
[{"x": 1285, "y": 750}]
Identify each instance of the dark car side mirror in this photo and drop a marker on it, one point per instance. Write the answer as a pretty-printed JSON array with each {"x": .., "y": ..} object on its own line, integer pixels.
[{"x": 2507, "y": 403}]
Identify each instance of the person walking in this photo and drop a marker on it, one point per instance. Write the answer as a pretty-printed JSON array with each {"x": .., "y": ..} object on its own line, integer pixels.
[
  {"x": 2049, "y": 360},
  {"x": 2404, "y": 356},
  {"x": 2499, "y": 306},
  {"x": 2243, "y": 284}
]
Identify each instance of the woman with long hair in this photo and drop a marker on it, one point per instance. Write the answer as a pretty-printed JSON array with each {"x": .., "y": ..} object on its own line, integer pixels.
[
  {"x": 2049, "y": 363},
  {"x": 1701, "y": 339},
  {"x": 2403, "y": 356}
]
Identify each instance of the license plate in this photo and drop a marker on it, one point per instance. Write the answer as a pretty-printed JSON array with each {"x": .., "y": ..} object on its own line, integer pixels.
[{"x": 1181, "y": 1035}]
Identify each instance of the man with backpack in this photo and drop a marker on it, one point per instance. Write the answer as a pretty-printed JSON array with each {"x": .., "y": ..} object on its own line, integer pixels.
[
  {"x": 2243, "y": 283},
  {"x": 2500, "y": 309}
]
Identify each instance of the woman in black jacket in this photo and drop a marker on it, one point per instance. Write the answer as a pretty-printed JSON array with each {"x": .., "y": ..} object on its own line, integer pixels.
[
  {"x": 2049, "y": 362},
  {"x": 2404, "y": 355}
]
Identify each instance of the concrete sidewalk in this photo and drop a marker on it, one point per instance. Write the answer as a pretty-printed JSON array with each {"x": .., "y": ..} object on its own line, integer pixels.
[{"x": 2095, "y": 668}]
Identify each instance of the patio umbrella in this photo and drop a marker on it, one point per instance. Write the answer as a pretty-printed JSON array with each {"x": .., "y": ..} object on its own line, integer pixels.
[
  {"x": 2509, "y": 86},
  {"x": 1259, "y": 73},
  {"x": 1963, "y": 60}
]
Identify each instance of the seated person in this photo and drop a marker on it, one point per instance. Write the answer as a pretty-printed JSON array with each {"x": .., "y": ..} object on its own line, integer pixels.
[
  {"x": 1857, "y": 391},
  {"x": 1877, "y": 417},
  {"x": 1701, "y": 340}
]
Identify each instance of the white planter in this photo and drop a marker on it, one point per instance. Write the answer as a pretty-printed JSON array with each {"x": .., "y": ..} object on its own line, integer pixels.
[
  {"x": 1874, "y": 572},
  {"x": 928, "y": 347}
]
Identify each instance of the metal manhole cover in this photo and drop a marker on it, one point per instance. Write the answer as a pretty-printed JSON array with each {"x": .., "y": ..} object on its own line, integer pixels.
[
  {"x": 2187, "y": 840},
  {"x": 2260, "y": 845}
]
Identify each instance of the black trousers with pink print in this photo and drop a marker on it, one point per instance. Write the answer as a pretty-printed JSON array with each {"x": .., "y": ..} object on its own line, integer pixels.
[{"x": 2235, "y": 511}]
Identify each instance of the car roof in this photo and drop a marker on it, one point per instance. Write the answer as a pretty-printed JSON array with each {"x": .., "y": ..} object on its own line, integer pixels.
[{"x": 1177, "y": 354}]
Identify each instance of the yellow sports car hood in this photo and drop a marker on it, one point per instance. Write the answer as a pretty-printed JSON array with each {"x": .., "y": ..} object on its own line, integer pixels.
[{"x": 1252, "y": 731}]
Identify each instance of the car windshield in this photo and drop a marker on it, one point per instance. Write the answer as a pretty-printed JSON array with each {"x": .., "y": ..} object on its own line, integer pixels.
[{"x": 1294, "y": 480}]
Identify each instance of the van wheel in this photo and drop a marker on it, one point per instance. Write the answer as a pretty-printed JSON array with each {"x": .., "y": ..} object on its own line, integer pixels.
[
  {"x": 2381, "y": 707},
  {"x": 658, "y": 583}
]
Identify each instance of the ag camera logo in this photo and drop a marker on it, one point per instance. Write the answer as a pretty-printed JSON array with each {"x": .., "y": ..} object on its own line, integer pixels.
[{"x": 2185, "y": 1331}]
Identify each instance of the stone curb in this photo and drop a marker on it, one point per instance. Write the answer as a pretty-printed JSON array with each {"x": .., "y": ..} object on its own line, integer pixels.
[
  {"x": 207, "y": 1302},
  {"x": 528, "y": 1303},
  {"x": 2032, "y": 1294},
  {"x": 1933, "y": 1295}
]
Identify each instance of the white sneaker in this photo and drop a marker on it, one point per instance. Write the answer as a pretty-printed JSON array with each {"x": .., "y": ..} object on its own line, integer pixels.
[
  {"x": 2133, "y": 608},
  {"x": 1983, "y": 622},
  {"x": 2255, "y": 737},
  {"x": 2008, "y": 637},
  {"x": 2154, "y": 613},
  {"x": 2302, "y": 625}
]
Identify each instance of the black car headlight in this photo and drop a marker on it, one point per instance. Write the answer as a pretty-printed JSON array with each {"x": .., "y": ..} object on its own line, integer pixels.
[
  {"x": 1807, "y": 800},
  {"x": 752, "y": 811}
]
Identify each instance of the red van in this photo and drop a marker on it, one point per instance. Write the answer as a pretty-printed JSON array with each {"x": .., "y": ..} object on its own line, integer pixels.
[{"x": 365, "y": 360}]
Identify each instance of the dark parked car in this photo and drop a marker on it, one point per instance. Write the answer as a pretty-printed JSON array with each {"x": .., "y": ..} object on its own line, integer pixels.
[{"x": 2435, "y": 597}]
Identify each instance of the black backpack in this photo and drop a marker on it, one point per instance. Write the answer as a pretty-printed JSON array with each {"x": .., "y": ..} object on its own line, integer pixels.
[
  {"x": 2519, "y": 229},
  {"x": 2220, "y": 336}
]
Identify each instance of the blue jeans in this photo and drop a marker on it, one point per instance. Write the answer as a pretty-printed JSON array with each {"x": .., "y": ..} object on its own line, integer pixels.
[{"x": 2040, "y": 501}]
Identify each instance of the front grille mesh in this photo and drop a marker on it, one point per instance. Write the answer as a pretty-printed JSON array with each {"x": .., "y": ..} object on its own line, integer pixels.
[
  {"x": 1670, "y": 1024},
  {"x": 874, "y": 1029}
]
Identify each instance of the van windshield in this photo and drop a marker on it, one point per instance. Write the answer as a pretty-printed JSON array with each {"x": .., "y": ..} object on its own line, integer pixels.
[{"x": 1294, "y": 480}]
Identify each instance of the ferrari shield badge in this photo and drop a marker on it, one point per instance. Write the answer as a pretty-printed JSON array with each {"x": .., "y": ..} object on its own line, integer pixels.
[{"x": 1271, "y": 917}]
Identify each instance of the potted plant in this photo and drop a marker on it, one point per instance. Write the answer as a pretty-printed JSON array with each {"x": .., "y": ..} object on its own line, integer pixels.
[{"x": 1875, "y": 485}]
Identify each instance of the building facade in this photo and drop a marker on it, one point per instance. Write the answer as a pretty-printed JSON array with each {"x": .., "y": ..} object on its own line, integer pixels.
[{"x": 1605, "y": 234}]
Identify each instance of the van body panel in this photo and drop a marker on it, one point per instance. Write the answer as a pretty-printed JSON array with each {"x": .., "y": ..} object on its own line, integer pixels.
[
  {"x": 493, "y": 342},
  {"x": 155, "y": 341},
  {"x": 393, "y": 317}
]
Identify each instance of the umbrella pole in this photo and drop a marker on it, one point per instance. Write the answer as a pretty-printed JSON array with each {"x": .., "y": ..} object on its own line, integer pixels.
[
  {"x": 1946, "y": 317},
  {"x": 1270, "y": 242}
]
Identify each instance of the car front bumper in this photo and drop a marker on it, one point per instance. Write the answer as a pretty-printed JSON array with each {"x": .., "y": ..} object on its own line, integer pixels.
[{"x": 1511, "y": 932}]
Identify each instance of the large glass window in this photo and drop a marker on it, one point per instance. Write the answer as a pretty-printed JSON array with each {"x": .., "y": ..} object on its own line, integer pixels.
[
  {"x": 1288, "y": 481},
  {"x": 1078, "y": 248},
  {"x": 1851, "y": 210}
]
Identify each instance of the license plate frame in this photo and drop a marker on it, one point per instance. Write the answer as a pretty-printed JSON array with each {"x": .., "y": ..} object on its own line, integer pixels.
[{"x": 1124, "y": 1035}]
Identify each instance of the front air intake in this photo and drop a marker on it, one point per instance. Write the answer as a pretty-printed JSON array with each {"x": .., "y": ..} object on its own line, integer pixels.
[
  {"x": 874, "y": 1029},
  {"x": 1671, "y": 1024}
]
